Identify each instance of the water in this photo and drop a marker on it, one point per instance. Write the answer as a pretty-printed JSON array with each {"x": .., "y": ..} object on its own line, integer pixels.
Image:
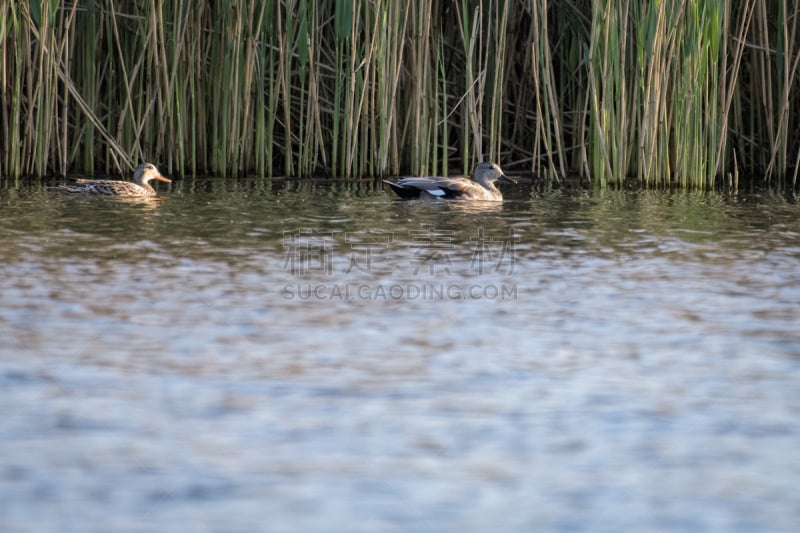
[{"x": 251, "y": 356}]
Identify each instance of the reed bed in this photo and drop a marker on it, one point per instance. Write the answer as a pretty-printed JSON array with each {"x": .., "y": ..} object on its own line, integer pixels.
[{"x": 688, "y": 93}]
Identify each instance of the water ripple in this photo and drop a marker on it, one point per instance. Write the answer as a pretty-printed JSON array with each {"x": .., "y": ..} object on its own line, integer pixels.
[{"x": 239, "y": 354}]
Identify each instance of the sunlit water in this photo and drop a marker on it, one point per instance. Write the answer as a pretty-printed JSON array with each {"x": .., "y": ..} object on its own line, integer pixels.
[{"x": 245, "y": 356}]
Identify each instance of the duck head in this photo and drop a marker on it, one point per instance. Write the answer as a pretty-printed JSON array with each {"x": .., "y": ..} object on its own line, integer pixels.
[
  {"x": 487, "y": 172},
  {"x": 146, "y": 172}
]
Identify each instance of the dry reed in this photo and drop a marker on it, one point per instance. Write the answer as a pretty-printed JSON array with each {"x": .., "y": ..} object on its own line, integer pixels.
[{"x": 690, "y": 93}]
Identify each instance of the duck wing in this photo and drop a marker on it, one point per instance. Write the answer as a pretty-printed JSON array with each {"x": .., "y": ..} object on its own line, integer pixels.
[
  {"x": 104, "y": 187},
  {"x": 460, "y": 188},
  {"x": 447, "y": 188}
]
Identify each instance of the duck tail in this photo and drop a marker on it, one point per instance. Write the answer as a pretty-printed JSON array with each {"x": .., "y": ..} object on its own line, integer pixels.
[{"x": 402, "y": 191}]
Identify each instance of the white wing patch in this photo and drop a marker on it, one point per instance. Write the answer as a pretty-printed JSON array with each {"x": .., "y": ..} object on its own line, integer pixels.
[{"x": 436, "y": 192}]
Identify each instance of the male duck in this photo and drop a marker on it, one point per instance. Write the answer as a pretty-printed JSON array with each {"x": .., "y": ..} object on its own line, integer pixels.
[
  {"x": 480, "y": 187},
  {"x": 139, "y": 187}
]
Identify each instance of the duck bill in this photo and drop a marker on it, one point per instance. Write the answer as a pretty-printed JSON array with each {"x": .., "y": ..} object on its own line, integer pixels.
[
  {"x": 506, "y": 179},
  {"x": 162, "y": 178}
]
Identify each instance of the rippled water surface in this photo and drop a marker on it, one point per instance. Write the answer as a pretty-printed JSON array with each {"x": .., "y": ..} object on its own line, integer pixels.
[{"x": 244, "y": 356}]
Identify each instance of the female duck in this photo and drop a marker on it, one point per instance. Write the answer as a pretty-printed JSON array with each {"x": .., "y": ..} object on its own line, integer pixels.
[
  {"x": 480, "y": 187},
  {"x": 139, "y": 187}
]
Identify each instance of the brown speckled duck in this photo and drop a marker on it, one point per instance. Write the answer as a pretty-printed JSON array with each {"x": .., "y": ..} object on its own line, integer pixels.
[
  {"x": 480, "y": 187},
  {"x": 138, "y": 187}
]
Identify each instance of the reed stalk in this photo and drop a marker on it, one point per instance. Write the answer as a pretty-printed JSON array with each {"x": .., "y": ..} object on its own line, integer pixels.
[{"x": 672, "y": 93}]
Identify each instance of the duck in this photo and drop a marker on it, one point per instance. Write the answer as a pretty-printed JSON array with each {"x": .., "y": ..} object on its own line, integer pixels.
[
  {"x": 143, "y": 174},
  {"x": 480, "y": 187}
]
